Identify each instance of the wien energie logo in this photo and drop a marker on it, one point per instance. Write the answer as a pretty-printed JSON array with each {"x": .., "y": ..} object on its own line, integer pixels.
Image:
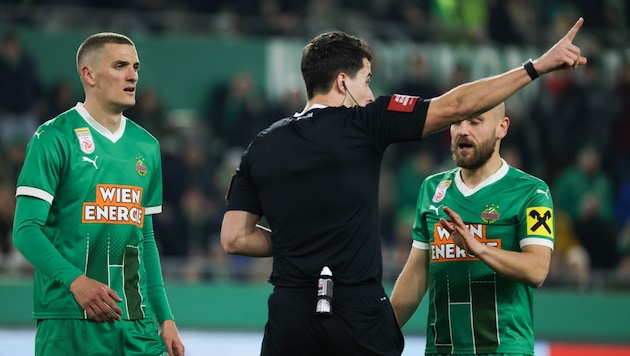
[
  {"x": 443, "y": 249},
  {"x": 115, "y": 204}
]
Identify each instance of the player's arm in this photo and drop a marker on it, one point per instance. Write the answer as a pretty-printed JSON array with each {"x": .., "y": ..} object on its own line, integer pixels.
[
  {"x": 472, "y": 99},
  {"x": 529, "y": 266},
  {"x": 241, "y": 235},
  {"x": 96, "y": 298},
  {"x": 28, "y": 237},
  {"x": 157, "y": 292},
  {"x": 411, "y": 285}
]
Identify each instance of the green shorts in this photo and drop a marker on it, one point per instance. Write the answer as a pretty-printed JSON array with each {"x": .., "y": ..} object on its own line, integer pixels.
[{"x": 85, "y": 337}]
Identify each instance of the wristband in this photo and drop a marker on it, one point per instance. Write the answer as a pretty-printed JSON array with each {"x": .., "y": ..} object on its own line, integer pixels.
[{"x": 531, "y": 71}]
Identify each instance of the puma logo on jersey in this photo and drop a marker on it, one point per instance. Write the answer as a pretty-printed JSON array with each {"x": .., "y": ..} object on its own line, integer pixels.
[
  {"x": 543, "y": 192},
  {"x": 38, "y": 133},
  {"x": 436, "y": 209},
  {"x": 87, "y": 159}
]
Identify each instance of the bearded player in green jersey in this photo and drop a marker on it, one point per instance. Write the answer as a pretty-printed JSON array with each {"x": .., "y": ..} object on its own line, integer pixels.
[
  {"x": 482, "y": 241},
  {"x": 90, "y": 183}
]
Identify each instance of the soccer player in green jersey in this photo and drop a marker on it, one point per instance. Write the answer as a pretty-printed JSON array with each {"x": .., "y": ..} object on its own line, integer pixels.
[
  {"x": 90, "y": 183},
  {"x": 482, "y": 241}
]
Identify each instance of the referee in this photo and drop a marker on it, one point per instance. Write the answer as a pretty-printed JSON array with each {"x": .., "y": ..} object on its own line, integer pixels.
[{"x": 314, "y": 176}]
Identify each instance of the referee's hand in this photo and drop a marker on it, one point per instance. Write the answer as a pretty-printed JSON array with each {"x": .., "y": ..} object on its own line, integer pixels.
[{"x": 97, "y": 299}]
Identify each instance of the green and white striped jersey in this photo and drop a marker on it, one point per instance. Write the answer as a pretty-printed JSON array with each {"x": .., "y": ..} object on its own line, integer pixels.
[
  {"x": 473, "y": 310},
  {"x": 100, "y": 186}
]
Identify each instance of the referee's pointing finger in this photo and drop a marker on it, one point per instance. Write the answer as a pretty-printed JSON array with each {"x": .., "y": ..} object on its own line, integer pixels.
[{"x": 574, "y": 30}]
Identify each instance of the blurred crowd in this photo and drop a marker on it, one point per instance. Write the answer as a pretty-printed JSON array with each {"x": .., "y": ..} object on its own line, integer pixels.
[
  {"x": 574, "y": 134},
  {"x": 523, "y": 22}
]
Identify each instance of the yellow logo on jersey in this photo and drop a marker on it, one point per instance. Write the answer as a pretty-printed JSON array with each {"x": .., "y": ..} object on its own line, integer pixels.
[
  {"x": 443, "y": 249},
  {"x": 115, "y": 204},
  {"x": 540, "y": 221}
]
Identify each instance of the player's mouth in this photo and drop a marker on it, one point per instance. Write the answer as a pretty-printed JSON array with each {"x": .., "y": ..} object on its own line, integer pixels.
[
  {"x": 130, "y": 90},
  {"x": 465, "y": 146}
]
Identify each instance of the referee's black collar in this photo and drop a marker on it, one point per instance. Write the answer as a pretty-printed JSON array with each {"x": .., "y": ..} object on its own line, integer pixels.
[{"x": 312, "y": 107}]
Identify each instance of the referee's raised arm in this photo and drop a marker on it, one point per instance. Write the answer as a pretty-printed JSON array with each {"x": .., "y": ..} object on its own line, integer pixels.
[{"x": 471, "y": 99}]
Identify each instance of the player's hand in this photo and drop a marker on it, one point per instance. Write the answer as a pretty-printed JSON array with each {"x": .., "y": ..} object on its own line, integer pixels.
[
  {"x": 563, "y": 55},
  {"x": 97, "y": 299},
  {"x": 171, "y": 338},
  {"x": 460, "y": 234}
]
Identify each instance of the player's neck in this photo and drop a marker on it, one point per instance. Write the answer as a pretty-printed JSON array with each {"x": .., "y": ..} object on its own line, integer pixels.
[
  {"x": 473, "y": 177},
  {"x": 109, "y": 120}
]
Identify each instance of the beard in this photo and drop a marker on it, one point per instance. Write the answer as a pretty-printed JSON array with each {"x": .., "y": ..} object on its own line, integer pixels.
[{"x": 480, "y": 154}]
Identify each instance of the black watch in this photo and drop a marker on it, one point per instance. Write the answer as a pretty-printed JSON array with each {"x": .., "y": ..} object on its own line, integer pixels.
[{"x": 529, "y": 67}]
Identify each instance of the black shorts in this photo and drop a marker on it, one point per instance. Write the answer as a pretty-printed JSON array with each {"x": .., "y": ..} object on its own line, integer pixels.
[{"x": 362, "y": 323}]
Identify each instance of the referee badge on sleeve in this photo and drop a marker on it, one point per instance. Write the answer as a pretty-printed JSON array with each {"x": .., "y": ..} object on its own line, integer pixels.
[
  {"x": 402, "y": 103},
  {"x": 540, "y": 221}
]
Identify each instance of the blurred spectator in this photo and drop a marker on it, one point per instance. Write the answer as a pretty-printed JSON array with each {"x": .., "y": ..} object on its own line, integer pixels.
[
  {"x": 149, "y": 112},
  {"x": 623, "y": 243},
  {"x": 606, "y": 19},
  {"x": 409, "y": 177},
  {"x": 560, "y": 114},
  {"x": 420, "y": 82},
  {"x": 622, "y": 213},
  {"x": 319, "y": 16},
  {"x": 582, "y": 180},
  {"x": 584, "y": 191},
  {"x": 601, "y": 104},
  {"x": 21, "y": 92},
  {"x": 292, "y": 101},
  {"x": 570, "y": 262},
  {"x": 523, "y": 137},
  {"x": 596, "y": 234},
  {"x": 11, "y": 160},
  {"x": 236, "y": 112},
  {"x": 7, "y": 210},
  {"x": 419, "y": 79},
  {"x": 60, "y": 98},
  {"x": 283, "y": 17},
  {"x": 510, "y": 22},
  {"x": 201, "y": 228},
  {"x": 620, "y": 143},
  {"x": 461, "y": 21}
]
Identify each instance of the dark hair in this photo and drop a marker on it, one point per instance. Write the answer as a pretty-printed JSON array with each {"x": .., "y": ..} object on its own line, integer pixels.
[
  {"x": 97, "y": 41},
  {"x": 329, "y": 54}
]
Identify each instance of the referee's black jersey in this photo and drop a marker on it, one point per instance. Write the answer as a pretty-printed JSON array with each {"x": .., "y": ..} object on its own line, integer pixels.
[{"x": 315, "y": 178}]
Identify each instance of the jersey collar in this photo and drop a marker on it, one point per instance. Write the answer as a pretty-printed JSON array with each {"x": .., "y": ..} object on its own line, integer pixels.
[
  {"x": 491, "y": 179},
  {"x": 314, "y": 106},
  {"x": 112, "y": 136}
]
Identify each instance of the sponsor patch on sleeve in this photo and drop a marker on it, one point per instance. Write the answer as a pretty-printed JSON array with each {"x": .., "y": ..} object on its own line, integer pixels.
[
  {"x": 540, "y": 221},
  {"x": 402, "y": 103}
]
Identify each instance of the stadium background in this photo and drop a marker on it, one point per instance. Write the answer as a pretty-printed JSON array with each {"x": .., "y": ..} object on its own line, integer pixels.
[{"x": 198, "y": 56}]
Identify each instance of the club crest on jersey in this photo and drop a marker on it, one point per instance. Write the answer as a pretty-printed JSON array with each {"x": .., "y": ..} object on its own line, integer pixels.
[
  {"x": 440, "y": 191},
  {"x": 402, "y": 103},
  {"x": 86, "y": 141},
  {"x": 141, "y": 168},
  {"x": 490, "y": 214}
]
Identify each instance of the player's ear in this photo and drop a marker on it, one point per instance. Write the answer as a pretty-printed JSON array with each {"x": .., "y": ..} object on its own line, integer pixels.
[
  {"x": 340, "y": 83},
  {"x": 87, "y": 75},
  {"x": 502, "y": 128}
]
